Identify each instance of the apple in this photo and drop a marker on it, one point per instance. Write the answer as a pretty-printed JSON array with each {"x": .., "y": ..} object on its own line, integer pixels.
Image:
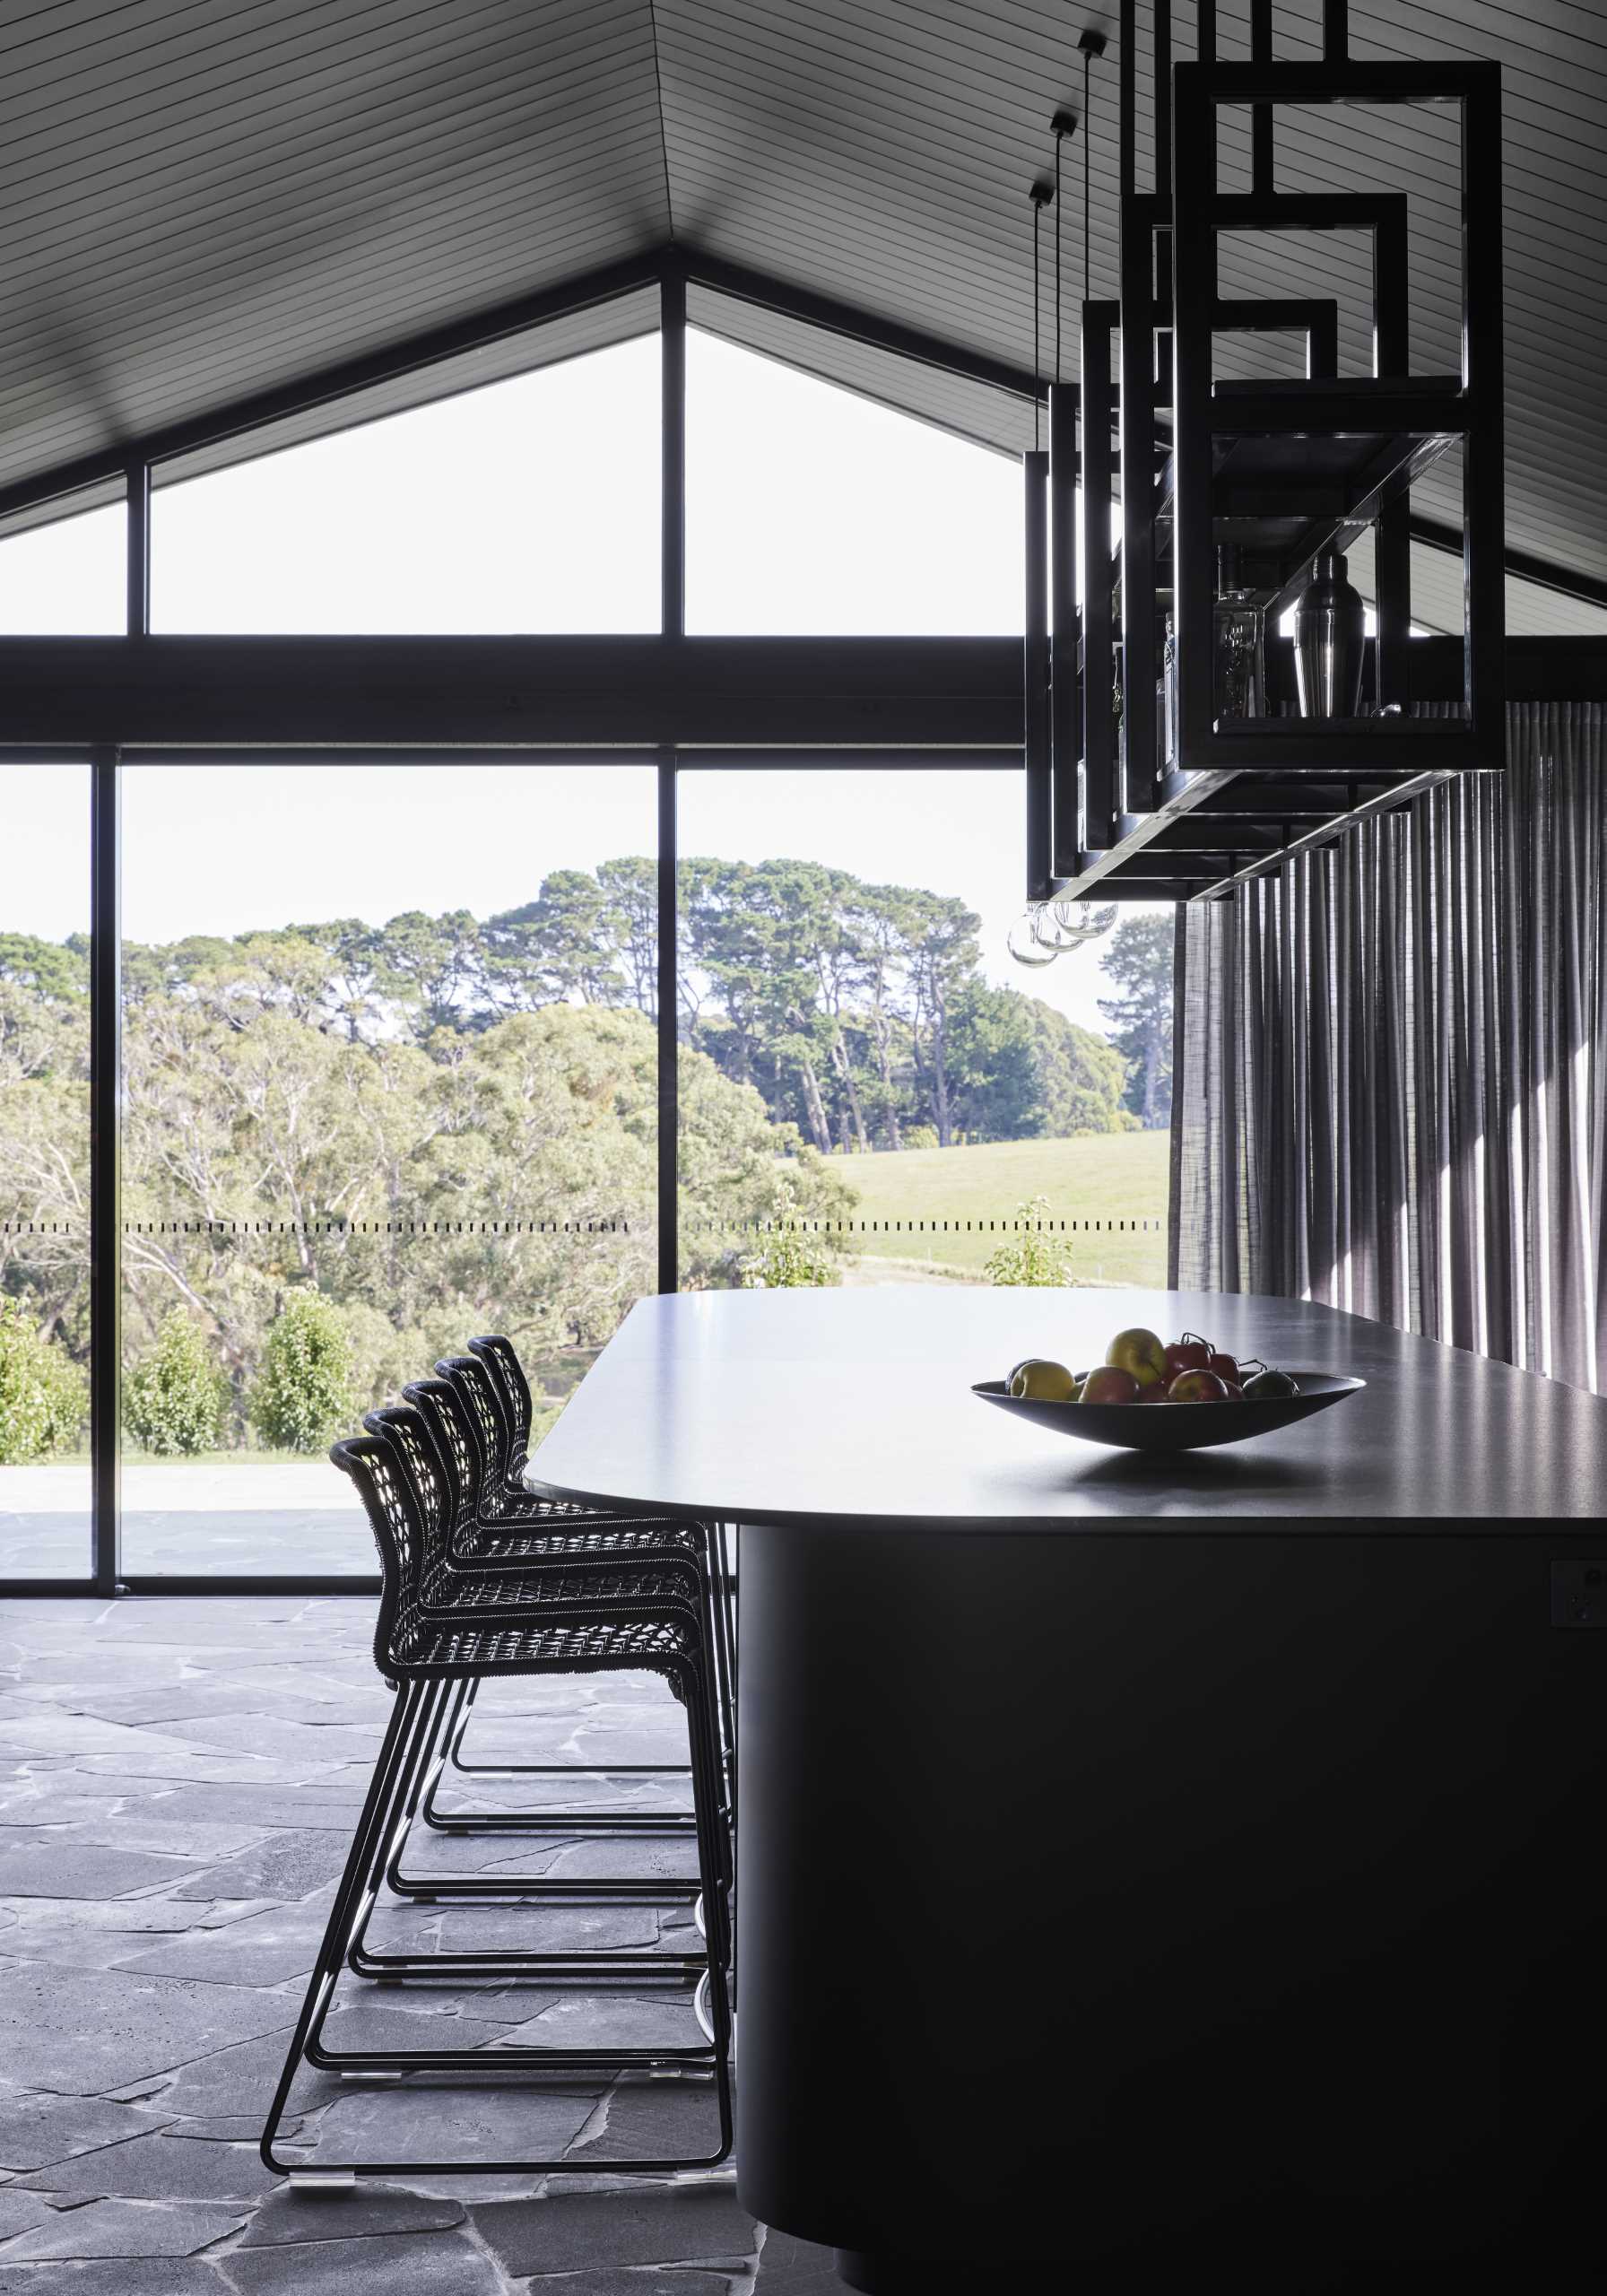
[
  {"x": 1139, "y": 1353},
  {"x": 1185, "y": 1355},
  {"x": 1109, "y": 1383},
  {"x": 1198, "y": 1386},
  {"x": 1155, "y": 1393},
  {"x": 1236, "y": 1394},
  {"x": 1043, "y": 1381},
  {"x": 1226, "y": 1367},
  {"x": 1270, "y": 1387}
]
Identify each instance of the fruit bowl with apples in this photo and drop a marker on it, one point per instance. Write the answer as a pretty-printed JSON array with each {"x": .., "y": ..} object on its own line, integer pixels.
[{"x": 1209, "y": 1396}]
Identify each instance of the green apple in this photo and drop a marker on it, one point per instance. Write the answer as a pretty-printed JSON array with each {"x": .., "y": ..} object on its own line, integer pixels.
[
  {"x": 1139, "y": 1352},
  {"x": 1042, "y": 1381}
]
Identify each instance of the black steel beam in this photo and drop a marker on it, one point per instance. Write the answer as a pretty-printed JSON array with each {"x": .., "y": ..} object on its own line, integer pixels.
[
  {"x": 852, "y": 319},
  {"x": 106, "y": 1221},
  {"x": 242, "y": 415},
  {"x": 671, "y": 514},
  {"x": 1521, "y": 565},
  {"x": 669, "y": 1045},
  {"x": 460, "y": 693}
]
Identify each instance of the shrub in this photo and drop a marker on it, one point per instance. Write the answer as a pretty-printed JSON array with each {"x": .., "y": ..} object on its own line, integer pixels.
[
  {"x": 919, "y": 1135},
  {"x": 175, "y": 1399},
  {"x": 790, "y": 1258},
  {"x": 1032, "y": 1256},
  {"x": 44, "y": 1395},
  {"x": 304, "y": 1396}
]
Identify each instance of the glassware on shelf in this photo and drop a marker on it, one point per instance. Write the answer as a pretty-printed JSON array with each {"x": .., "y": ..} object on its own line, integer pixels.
[
  {"x": 1330, "y": 642},
  {"x": 1049, "y": 928},
  {"x": 1166, "y": 698},
  {"x": 1238, "y": 643}
]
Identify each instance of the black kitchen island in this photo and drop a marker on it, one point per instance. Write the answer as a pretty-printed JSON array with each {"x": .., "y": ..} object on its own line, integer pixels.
[{"x": 1145, "y": 1863}]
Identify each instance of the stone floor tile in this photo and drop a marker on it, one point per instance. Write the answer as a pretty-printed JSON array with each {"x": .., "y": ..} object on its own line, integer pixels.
[
  {"x": 148, "y": 1824},
  {"x": 130, "y": 1918},
  {"x": 126, "y": 2276},
  {"x": 110, "y": 2027},
  {"x": 641, "y": 2280},
  {"x": 263, "y": 1950},
  {"x": 285, "y": 1867},
  {"x": 125, "y": 2228},
  {"x": 37, "y": 2131},
  {"x": 289, "y": 2218},
  {"x": 20, "y": 2211},
  {"x": 266, "y": 1808},
  {"x": 417, "y": 2263},
  {"x": 279, "y": 1740},
  {"x": 648, "y": 2224},
  {"x": 159, "y": 2168},
  {"x": 57, "y": 1869},
  {"x": 792, "y": 2268},
  {"x": 652, "y": 2120},
  {"x": 228, "y": 2085},
  {"x": 610, "y": 2020},
  {"x": 420, "y": 2123}
]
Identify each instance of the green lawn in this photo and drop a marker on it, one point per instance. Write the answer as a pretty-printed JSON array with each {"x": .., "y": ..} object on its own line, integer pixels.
[{"x": 1110, "y": 1178}]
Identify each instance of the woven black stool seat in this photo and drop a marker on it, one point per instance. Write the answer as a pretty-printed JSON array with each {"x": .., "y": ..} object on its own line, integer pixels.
[{"x": 583, "y": 1646}]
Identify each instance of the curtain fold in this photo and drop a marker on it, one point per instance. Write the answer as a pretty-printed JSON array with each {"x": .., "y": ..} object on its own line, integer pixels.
[{"x": 1390, "y": 1091}]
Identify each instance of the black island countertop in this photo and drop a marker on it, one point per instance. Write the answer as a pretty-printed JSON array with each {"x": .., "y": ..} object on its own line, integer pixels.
[{"x": 791, "y": 1407}]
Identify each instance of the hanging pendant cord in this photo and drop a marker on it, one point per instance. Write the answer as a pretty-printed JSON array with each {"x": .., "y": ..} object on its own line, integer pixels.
[
  {"x": 1037, "y": 393},
  {"x": 1057, "y": 208},
  {"x": 1087, "y": 137}
]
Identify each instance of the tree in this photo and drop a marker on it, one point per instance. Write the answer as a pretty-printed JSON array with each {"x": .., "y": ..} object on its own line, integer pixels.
[
  {"x": 1140, "y": 961},
  {"x": 175, "y": 1397},
  {"x": 303, "y": 1397},
  {"x": 1032, "y": 1255},
  {"x": 44, "y": 1395}
]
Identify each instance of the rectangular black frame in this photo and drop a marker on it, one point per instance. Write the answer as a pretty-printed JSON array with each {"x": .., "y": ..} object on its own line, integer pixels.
[{"x": 1472, "y": 410}]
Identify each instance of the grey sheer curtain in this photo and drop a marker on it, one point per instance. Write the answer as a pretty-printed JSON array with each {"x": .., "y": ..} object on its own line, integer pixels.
[{"x": 1390, "y": 1090}]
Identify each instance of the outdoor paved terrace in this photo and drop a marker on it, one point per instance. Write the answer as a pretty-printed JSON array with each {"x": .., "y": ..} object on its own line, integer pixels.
[{"x": 178, "y": 1783}]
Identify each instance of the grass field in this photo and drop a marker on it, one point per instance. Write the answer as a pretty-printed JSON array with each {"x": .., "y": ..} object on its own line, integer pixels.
[{"x": 1112, "y": 1177}]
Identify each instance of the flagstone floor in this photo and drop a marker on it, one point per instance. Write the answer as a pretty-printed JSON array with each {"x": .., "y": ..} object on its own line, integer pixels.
[{"x": 178, "y": 1782}]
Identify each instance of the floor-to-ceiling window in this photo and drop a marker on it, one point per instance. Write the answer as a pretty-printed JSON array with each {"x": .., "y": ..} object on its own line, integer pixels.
[
  {"x": 390, "y": 1073},
  {"x": 61, "y": 576},
  {"x": 44, "y": 1170}
]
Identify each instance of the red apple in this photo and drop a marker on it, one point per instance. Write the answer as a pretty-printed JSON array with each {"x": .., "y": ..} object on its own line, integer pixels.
[
  {"x": 1185, "y": 1355},
  {"x": 1236, "y": 1394},
  {"x": 1198, "y": 1386},
  {"x": 1226, "y": 1367},
  {"x": 1155, "y": 1393},
  {"x": 1109, "y": 1383}
]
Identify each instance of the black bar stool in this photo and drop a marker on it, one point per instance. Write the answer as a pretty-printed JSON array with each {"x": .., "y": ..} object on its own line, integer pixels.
[
  {"x": 434, "y": 1636},
  {"x": 496, "y": 1395}
]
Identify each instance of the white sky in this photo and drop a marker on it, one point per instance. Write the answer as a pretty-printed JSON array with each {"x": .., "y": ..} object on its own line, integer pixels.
[{"x": 533, "y": 505}]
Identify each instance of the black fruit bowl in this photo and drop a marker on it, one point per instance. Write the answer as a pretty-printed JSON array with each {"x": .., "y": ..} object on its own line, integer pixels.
[{"x": 1175, "y": 1426}]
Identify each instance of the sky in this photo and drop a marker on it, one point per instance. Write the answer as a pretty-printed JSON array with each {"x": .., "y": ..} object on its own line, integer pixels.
[{"x": 533, "y": 505}]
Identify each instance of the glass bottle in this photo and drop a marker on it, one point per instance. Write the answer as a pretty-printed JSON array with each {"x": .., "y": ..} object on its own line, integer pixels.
[{"x": 1239, "y": 642}]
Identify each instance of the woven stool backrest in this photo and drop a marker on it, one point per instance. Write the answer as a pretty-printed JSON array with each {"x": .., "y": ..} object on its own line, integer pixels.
[
  {"x": 372, "y": 1464},
  {"x": 482, "y": 1397},
  {"x": 457, "y": 1439},
  {"x": 502, "y": 1359},
  {"x": 432, "y": 1488}
]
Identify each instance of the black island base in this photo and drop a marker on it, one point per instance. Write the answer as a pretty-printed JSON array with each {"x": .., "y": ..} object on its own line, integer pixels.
[{"x": 1136, "y": 1900}]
